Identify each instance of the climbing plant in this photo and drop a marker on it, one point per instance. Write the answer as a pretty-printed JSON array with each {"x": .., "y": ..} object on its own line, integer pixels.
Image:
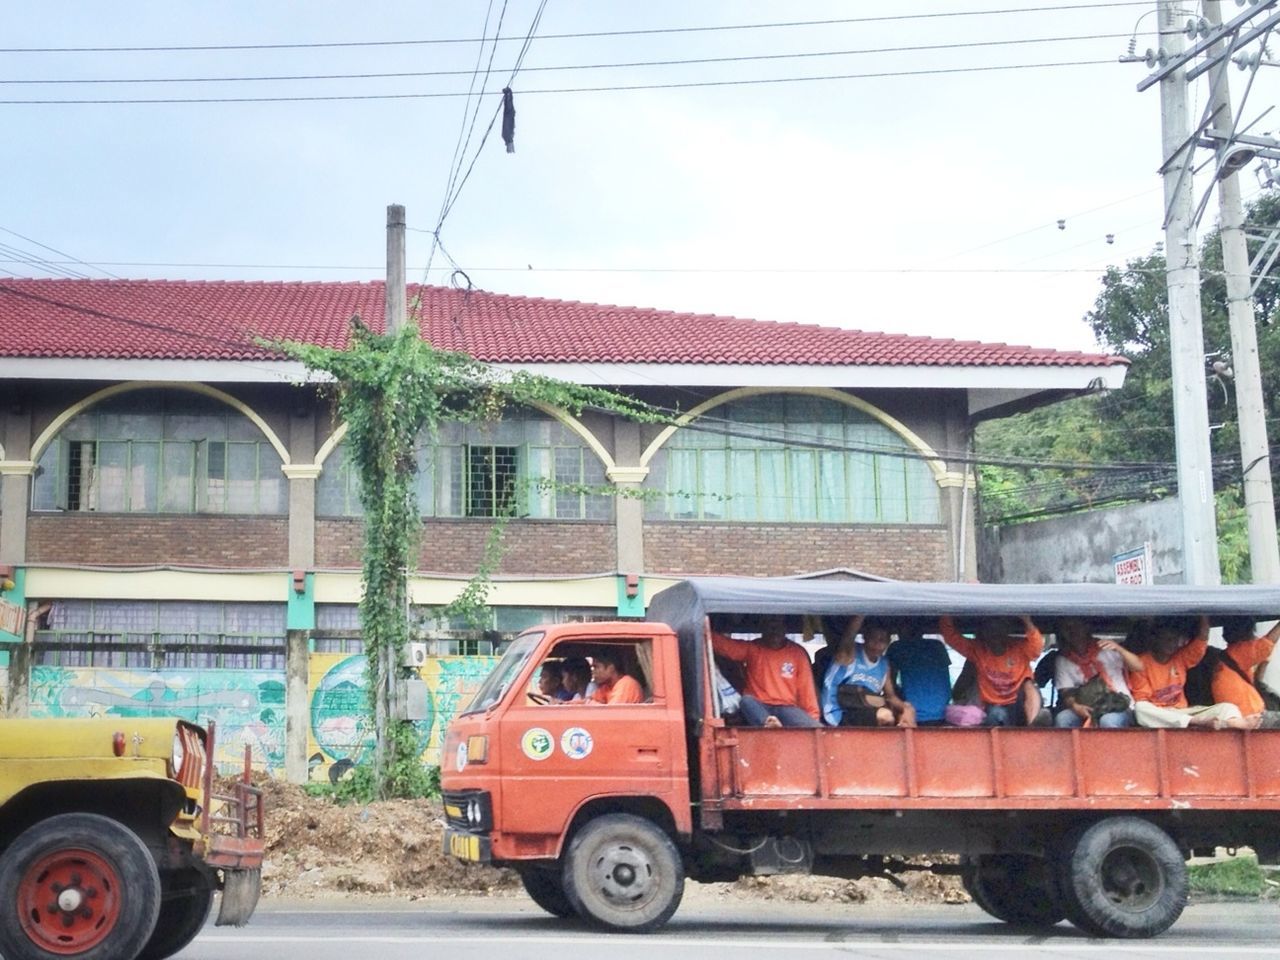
[{"x": 389, "y": 388}]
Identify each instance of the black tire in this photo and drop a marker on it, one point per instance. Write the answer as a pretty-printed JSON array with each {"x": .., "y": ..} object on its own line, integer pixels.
[
  {"x": 1123, "y": 877},
  {"x": 623, "y": 873},
  {"x": 545, "y": 887},
  {"x": 1018, "y": 889},
  {"x": 184, "y": 909},
  {"x": 77, "y": 885}
]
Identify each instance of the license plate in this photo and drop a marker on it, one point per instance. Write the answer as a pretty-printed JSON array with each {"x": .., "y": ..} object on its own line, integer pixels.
[{"x": 466, "y": 846}]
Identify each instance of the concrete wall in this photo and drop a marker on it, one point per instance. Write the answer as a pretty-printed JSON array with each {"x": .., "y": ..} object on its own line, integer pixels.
[{"x": 1078, "y": 548}]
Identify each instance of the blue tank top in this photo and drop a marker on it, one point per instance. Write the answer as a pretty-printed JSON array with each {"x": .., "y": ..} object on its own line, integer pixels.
[{"x": 860, "y": 671}]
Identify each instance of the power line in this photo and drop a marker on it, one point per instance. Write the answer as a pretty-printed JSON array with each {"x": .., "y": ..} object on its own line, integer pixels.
[
  {"x": 700, "y": 61},
  {"x": 626, "y": 88},
  {"x": 656, "y": 31}
]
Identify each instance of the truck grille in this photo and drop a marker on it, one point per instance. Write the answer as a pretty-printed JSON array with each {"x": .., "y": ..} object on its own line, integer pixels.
[{"x": 468, "y": 810}]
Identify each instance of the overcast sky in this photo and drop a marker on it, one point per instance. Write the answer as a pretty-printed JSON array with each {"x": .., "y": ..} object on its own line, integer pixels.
[{"x": 920, "y": 204}]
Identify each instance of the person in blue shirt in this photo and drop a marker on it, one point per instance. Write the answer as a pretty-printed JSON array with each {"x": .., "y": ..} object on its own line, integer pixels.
[
  {"x": 922, "y": 669},
  {"x": 870, "y": 698}
]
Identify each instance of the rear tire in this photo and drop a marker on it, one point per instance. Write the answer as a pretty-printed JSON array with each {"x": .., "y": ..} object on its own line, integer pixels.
[
  {"x": 623, "y": 873},
  {"x": 1123, "y": 877},
  {"x": 545, "y": 887},
  {"x": 1016, "y": 888},
  {"x": 77, "y": 885}
]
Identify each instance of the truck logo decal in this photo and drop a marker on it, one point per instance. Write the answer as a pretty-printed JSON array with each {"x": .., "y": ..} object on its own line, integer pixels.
[
  {"x": 576, "y": 743},
  {"x": 537, "y": 744}
]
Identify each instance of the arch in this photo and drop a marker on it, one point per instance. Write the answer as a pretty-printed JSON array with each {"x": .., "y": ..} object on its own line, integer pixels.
[
  {"x": 930, "y": 456},
  {"x": 61, "y": 420},
  {"x": 570, "y": 421}
]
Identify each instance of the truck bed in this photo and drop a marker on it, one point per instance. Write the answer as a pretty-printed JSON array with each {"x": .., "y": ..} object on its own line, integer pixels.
[{"x": 992, "y": 768}]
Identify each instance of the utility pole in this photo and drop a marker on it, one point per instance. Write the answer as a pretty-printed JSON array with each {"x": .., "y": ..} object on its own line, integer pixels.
[
  {"x": 394, "y": 292},
  {"x": 1186, "y": 332},
  {"x": 1255, "y": 454}
]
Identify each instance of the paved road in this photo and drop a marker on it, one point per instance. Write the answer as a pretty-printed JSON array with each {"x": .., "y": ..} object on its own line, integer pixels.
[{"x": 513, "y": 930}]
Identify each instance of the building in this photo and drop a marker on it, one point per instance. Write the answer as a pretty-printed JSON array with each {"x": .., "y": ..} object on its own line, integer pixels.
[{"x": 178, "y": 521}]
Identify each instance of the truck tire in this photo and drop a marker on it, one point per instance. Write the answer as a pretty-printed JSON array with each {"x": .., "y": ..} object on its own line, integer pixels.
[
  {"x": 545, "y": 887},
  {"x": 184, "y": 908},
  {"x": 623, "y": 873},
  {"x": 1018, "y": 889},
  {"x": 1123, "y": 877},
  {"x": 77, "y": 885}
]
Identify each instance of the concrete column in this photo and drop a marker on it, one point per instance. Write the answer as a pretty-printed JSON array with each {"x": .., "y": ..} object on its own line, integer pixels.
[
  {"x": 297, "y": 705},
  {"x": 628, "y": 475},
  {"x": 16, "y": 470},
  {"x": 302, "y": 474}
]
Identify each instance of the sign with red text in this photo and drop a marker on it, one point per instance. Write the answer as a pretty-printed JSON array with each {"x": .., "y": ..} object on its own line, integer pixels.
[{"x": 1134, "y": 566}]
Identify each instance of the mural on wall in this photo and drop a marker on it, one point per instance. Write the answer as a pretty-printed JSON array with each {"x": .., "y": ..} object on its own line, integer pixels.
[
  {"x": 248, "y": 705},
  {"x": 341, "y": 728}
]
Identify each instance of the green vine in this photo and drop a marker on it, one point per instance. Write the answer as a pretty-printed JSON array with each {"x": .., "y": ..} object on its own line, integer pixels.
[{"x": 389, "y": 389}]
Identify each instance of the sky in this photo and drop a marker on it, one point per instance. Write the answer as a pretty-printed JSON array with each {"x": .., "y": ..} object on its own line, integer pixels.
[{"x": 925, "y": 203}]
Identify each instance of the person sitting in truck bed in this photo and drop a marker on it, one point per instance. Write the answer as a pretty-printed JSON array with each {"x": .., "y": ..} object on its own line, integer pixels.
[
  {"x": 613, "y": 684},
  {"x": 779, "y": 691},
  {"x": 922, "y": 672},
  {"x": 1158, "y": 680},
  {"x": 1084, "y": 664},
  {"x": 1006, "y": 687},
  {"x": 1234, "y": 681},
  {"x": 858, "y": 689}
]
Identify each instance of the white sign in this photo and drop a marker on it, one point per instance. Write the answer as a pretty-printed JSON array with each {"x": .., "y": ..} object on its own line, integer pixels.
[{"x": 1134, "y": 566}]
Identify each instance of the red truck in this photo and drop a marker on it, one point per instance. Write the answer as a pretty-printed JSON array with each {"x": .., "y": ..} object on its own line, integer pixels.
[{"x": 604, "y": 810}]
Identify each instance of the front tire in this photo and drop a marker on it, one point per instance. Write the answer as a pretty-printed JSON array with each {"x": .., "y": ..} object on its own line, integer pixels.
[
  {"x": 77, "y": 885},
  {"x": 1124, "y": 877},
  {"x": 623, "y": 873},
  {"x": 545, "y": 887},
  {"x": 184, "y": 909},
  {"x": 1018, "y": 889}
]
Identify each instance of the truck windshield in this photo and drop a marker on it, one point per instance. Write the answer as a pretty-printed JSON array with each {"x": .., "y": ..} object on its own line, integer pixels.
[{"x": 504, "y": 674}]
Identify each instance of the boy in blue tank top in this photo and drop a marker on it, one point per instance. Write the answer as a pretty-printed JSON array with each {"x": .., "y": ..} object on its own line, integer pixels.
[{"x": 864, "y": 666}]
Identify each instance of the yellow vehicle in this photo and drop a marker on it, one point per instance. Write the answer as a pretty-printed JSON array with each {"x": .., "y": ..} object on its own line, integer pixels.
[{"x": 112, "y": 841}]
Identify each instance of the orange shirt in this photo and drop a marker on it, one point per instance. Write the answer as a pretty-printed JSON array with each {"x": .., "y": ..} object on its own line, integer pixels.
[
  {"x": 623, "y": 690},
  {"x": 1163, "y": 683},
  {"x": 777, "y": 677},
  {"x": 1230, "y": 687},
  {"x": 1000, "y": 675}
]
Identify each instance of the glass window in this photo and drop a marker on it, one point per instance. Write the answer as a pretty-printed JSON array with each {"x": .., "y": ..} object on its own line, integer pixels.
[
  {"x": 792, "y": 458},
  {"x": 160, "y": 451}
]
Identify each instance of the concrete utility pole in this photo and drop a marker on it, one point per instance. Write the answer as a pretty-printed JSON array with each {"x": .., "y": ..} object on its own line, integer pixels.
[
  {"x": 1186, "y": 331},
  {"x": 1255, "y": 453},
  {"x": 394, "y": 293}
]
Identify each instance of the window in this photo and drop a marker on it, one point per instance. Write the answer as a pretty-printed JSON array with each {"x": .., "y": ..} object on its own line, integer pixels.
[
  {"x": 526, "y": 465},
  {"x": 160, "y": 452},
  {"x": 792, "y": 458}
]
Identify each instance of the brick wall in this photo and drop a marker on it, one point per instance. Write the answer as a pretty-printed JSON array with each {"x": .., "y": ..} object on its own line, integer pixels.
[
  {"x": 899, "y": 552},
  {"x": 139, "y": 539},
  {"x": 539, "y": 547}
]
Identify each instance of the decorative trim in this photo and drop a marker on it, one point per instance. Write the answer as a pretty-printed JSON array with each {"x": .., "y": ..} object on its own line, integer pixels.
[
  {"x": 302, "y": 471},
  {"x": 627, "y": 474},
  {"x": 17, "y": 468},
  {"x": 936, "y": 463},
  {"x": 60, "y": 421},
  {"x": 958, "y": 478}
]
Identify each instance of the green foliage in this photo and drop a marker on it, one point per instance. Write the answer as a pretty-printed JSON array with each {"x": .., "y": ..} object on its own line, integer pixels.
[
  {"x": 1236, "y": 877},
  {"x": 1233, "y": 536},
  {"x": 389, "y": 389}
]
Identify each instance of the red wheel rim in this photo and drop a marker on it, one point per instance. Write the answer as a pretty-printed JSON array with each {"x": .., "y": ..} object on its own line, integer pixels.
[{"x": 69, "y": 901}]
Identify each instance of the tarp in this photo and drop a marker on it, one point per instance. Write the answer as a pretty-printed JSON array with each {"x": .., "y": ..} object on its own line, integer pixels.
[{"x": 686, "y": 605}]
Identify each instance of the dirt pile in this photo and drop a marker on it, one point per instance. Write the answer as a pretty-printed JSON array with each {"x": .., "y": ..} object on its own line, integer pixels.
[{"x": 316, "y": 848}]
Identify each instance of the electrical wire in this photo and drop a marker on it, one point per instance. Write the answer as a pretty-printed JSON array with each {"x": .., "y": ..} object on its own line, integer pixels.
[{"x": 655, "y": 31}]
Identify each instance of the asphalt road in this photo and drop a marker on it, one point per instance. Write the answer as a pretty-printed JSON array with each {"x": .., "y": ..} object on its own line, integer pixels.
[{"x": 506, "y": 929}]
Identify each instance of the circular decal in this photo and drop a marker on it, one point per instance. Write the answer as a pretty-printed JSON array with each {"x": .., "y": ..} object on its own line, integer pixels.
[
  {"x": 576, "y": 743},
  {"x": 537, "y": 744},
  {"x": 460, "y": 758}
]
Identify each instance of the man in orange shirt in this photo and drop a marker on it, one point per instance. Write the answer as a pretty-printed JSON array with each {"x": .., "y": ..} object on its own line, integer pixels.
[
  {"x": 1158, "y": 679},
  {"x": 779, "y": 689},
  {"x": 612, "y": 685},
  {"x": 1003, "y": 665},
  {"x": 1233, "y": 683}
]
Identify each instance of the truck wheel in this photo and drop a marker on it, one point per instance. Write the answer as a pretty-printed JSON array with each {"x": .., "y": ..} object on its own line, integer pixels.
[
  {"x": 184, "y": 908},
  {"x": 623, "y": 873},
  {"x": 1015, "y": 888},
  {"x": 545, "y": 887},
  {"x": 77, "y": 885},
  {"x": 1123, "y": 877}
]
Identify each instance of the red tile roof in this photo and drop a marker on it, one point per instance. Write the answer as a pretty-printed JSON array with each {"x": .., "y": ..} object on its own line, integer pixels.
[{"x": 197, "y": 320}]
